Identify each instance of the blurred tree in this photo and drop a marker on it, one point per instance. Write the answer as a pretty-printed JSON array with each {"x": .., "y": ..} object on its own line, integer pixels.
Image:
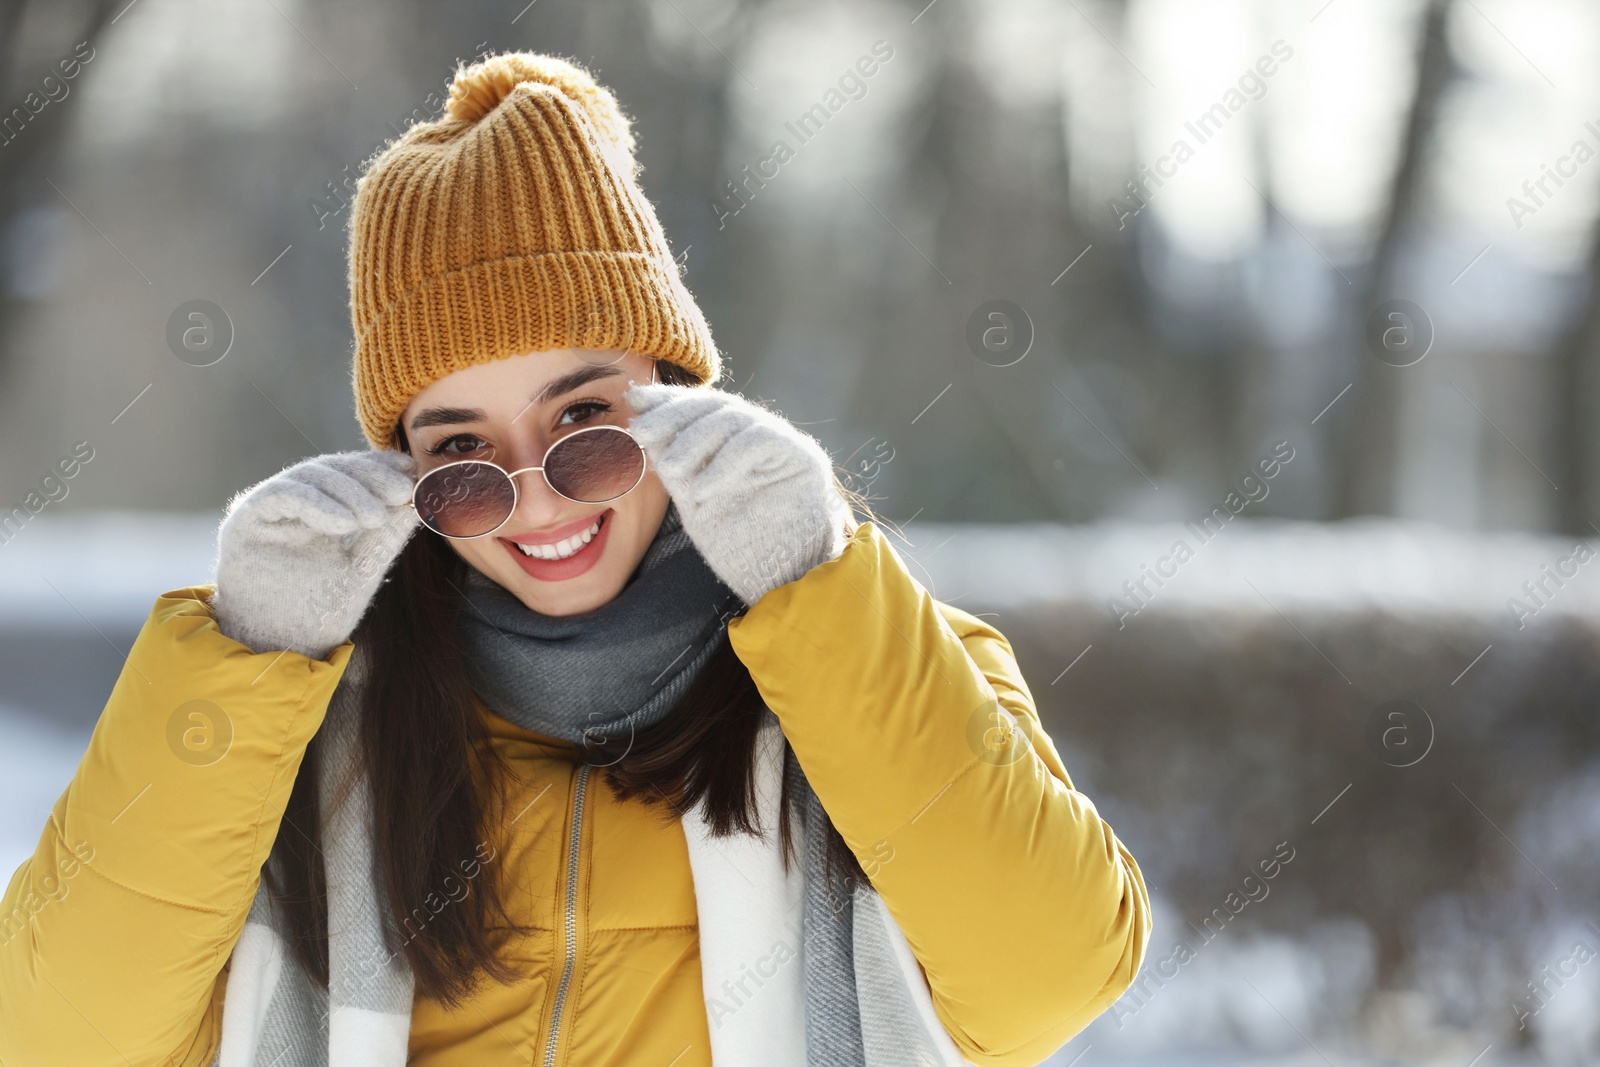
[
  {"x": 34, "y": 38},
  {"x": 1577, "y": 409},
  {"x": 1364, "y": 482}
]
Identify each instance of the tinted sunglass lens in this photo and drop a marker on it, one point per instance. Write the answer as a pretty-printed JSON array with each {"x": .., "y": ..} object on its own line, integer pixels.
[
  {"x": 465, "y": 499},
  {"x": 595, "y": 465}
]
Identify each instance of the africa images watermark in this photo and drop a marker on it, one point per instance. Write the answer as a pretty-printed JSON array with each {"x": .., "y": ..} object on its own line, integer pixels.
[
  {"x": 1537, "y": 994},
  {"x": 52, "y": 89},
  {"x": 1251, "y": 86},
  {"x": 852, "y": 85},
  {"x": 1253, "y": 890},
  {"x": 859, "y": 474},
  {"x": 43, "y": 889},
  {"x": 1547, "y": 583},
  {"x": 53, "y": 488},
  {"x": 1252, "y": 490},
  {"x": 455, "y": 890},
  {"x": 1566, "y": 167},
  {"x": 736, "y": 993}
]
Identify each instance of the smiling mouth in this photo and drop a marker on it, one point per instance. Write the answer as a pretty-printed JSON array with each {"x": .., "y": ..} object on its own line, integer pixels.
[{"x": 562, "y": 549}]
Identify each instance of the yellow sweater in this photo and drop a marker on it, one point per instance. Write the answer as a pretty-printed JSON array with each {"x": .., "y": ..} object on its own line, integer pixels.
[{"x": 1027, "y": 914}]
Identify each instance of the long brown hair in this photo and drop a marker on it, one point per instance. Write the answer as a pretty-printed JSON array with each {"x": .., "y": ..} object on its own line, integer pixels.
[{"x": 438, "y": 783}]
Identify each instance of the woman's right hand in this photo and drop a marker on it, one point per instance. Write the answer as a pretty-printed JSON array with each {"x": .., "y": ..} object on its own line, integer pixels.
[{"x": 300, "y": 555}]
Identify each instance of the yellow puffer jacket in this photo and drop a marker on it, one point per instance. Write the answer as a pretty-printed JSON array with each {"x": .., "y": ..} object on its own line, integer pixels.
[{"x": 1026, "y": 913}]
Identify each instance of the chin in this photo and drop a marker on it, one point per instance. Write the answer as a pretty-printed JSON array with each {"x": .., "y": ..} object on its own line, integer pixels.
[{"x": 585, "y": 569}]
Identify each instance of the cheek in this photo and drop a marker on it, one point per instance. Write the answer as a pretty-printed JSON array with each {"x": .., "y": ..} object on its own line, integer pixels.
[
  {"x": 637, "y": 518},
  {"x": 639, "y": 515},
  {"x": 649, "y": 496}
]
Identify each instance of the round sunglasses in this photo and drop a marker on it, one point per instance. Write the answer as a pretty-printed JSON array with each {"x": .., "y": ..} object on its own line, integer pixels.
[{"x": 474, "y": 497}]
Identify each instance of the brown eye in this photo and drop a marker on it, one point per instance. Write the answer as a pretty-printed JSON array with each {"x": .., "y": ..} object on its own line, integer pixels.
[
  {"x": 462, "y": 444},
  {"x": 582, "y": 411}
]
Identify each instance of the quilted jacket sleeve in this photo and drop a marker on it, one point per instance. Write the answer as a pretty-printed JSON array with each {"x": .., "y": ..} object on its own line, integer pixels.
[
  {"x": 912, "y": 722},
  {"x": 114, "y": 934}
]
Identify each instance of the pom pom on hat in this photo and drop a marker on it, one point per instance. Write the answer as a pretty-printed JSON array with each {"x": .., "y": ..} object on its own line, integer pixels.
[{"x": 479, "y": 89}]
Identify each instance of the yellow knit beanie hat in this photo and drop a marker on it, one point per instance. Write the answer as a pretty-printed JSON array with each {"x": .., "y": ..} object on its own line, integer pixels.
[{"x": 512, "y": 224}]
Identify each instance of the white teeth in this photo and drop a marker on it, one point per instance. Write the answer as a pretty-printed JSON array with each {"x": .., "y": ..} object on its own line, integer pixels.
[{"x": 560, "y": 549}]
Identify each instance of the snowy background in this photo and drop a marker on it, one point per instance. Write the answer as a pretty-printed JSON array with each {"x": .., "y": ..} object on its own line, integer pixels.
[{"x": 1172, "y": 316}]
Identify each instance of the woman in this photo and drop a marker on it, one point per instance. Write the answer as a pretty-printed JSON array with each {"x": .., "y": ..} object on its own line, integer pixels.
[{"x": 577, "y": 722}]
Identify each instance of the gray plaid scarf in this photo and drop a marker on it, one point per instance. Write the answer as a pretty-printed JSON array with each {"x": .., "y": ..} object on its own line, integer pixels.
[{"x": 596, "y": 678}]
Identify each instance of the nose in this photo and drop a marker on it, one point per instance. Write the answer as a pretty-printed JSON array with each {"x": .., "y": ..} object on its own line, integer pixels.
[{"x": 537, "y": 504}]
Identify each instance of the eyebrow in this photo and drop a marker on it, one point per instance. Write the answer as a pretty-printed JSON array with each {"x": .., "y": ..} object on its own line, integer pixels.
[
  {"x": 566, "y": 383},
  {"x": 573, "y": 380},
  {"x": 447, "y": 417}
]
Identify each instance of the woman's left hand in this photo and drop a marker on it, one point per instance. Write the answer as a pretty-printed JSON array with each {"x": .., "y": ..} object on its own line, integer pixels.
[{"x": 757, "y": 496}]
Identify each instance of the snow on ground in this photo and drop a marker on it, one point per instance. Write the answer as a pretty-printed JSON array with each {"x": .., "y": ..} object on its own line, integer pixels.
[
  {"x": 1397, "y": 567},
  {"x": 100, "y": 568},
  {"x": 60, "y": 566}
]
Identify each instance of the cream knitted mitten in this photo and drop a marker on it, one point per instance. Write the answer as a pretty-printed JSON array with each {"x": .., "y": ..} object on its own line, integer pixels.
[
  {"x": 756, "y": 494},
  {"x": 300, "y": 555}
]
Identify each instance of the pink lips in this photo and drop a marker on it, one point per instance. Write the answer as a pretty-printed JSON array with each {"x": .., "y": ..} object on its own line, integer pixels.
[{"x": 560, "y": 570}]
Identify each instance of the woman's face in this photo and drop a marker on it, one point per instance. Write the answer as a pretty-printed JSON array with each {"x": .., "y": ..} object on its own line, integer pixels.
[{"x": 509, "y": 412}]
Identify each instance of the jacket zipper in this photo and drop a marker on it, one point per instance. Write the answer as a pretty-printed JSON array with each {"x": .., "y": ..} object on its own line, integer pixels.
[{"x": 569, "y": 915}]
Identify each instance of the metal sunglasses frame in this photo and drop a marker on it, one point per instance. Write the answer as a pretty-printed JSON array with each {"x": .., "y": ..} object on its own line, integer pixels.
[{"x": 511, "y": 476}]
